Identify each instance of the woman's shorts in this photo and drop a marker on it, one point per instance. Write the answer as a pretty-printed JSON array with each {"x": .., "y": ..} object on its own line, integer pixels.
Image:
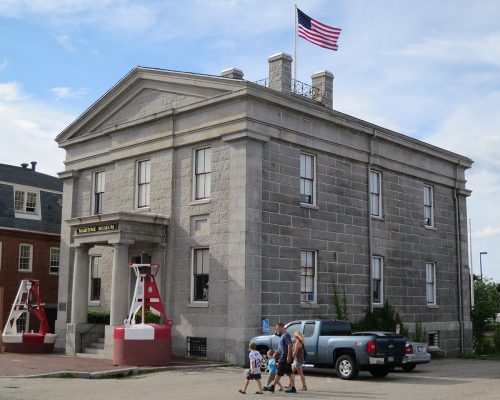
[{"x": 298, "y": 364}]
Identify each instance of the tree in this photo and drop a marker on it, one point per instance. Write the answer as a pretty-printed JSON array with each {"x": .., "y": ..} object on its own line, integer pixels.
[{"x": 486, "y": 307}]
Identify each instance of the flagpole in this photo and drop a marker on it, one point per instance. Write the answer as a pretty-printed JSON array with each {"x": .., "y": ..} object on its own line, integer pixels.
[{"x": 295, "y": 46}]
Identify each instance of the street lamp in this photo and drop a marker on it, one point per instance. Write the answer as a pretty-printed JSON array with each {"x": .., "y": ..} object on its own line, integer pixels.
[{"x": 481, "y": 263}]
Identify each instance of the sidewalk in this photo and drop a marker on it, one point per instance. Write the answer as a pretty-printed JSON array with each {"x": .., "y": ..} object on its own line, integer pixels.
[{"x": 60, "y": 365}]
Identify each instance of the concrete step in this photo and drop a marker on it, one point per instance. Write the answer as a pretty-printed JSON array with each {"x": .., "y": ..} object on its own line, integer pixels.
[
  {"x": 90, "y": 355},
  {"x": 90, "y": 350},
  {"x": 97, "y": 345},
  {"x": 100, "y": 340}
]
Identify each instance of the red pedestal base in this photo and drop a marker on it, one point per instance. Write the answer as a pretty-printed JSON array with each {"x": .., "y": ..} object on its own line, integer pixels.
[
  {"x": 154, "y": 352},
  {"x": 31, "y": 343}
]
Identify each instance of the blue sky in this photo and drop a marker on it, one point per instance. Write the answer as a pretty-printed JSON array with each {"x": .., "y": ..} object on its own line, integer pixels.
[{"x": 425, "y": 68}]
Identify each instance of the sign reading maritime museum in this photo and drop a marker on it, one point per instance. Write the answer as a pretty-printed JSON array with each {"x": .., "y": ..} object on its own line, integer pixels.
[{"x": 97, "y": 228}]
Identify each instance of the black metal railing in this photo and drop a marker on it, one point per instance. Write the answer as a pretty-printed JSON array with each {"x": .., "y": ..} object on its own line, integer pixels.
[{"x": 297, "y": 87}]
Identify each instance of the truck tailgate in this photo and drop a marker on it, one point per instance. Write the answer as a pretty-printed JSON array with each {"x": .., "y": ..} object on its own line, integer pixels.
[{"x": 388, "y": 346}]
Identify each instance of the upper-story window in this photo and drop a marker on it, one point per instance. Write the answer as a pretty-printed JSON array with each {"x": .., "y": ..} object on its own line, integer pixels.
[
  {"x": 143, "y": 183},
  {"x": 377, "y": 280},
  {"x": 25, "y": 257},
  {"x": 26, "y": 202},
  {"x": 202, "y": 173},
  {"x": 375, "y": 193},
  {"x": 428, "y": 205},
  {"x": 99, "y": 186},
  {"x": 307, "y": 179}
]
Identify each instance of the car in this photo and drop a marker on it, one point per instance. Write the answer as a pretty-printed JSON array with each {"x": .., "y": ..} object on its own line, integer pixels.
[
  {"x": 330, "y": 344},
  {"x": 415, "y": 352}
]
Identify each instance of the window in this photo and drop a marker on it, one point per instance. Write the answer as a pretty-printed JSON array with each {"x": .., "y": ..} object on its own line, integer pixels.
[
  {"x": 196, "y": 346},
  {"x": 95, "y": 278},
  {"x": 335, "y": 328},
  {"x": 375, "y": 194},
  {"x": 291, "y": 329},
  {"x": 433, "y": 339},
  {"x": 26, "y": 202},
  {"x": 307, "y": 184},
  {"x": 99, "y": 184},
  {"x": 143, "y": 183},
  {"x": 430, "y": 282},
  {"x": 54, "y": 260},
  {"x": 202, "y": 172},
  {"x": 308, "y": 276},
  {"x": 377, "y": 279},
  {"x": 428, "y": 205},
  {"x": 309, "y": 329},
  {"x": 25, "y": 257},
  {"x": 200, "y": 275}
]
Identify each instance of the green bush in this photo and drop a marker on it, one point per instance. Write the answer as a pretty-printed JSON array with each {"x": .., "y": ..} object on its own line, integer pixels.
[
  {"x": 97, "y": 317},
  {"x": 381, "y": 319},
  {"x": 486, "y": 307},
  {"x": 496, "y": 340},
  {"x": 419, "y": 335},
  {"x": 340, "y": 304},
  {"x": 149, "y": 316}
]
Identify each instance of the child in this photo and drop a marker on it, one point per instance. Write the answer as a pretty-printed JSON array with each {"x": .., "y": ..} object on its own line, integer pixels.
[
  {"x": 271, "y": 367},
  {"x": 254, "y": 371}
]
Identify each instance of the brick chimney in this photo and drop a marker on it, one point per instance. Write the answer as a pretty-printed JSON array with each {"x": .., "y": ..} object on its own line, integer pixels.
[
  {"x": 232, "y": 73},
  {"x": 323, "y": 81},
  {"x": 280, "y": 72}
]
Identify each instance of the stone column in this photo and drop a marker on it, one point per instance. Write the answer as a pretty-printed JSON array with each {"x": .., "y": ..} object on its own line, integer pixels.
[
  {"x": 80, "y": 293},
  {"x": 323, "y": 81},
  {"x": 280, "y": 72},
  {"x": 119, "y": 284}
]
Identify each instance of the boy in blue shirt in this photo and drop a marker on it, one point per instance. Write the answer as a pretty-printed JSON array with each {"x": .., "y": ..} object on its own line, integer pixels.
[{"x": 272, "y": 368}]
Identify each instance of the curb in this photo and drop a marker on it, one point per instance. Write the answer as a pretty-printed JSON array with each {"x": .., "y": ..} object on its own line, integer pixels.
[{"x": 117, "y": 373}]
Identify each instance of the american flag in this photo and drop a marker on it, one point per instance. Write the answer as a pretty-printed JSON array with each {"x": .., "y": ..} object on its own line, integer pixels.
[{"x": 315, "y": 32}]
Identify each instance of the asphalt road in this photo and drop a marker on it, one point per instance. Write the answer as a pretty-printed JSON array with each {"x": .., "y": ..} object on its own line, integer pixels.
[{"x": 442, "y": 379}]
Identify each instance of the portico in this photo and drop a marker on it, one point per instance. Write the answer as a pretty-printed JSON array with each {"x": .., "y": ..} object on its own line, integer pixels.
[{"x": 125, "y": 233}]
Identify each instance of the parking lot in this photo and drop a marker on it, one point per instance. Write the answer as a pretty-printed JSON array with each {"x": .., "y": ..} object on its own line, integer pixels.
[{"x": 442, "y": 379}]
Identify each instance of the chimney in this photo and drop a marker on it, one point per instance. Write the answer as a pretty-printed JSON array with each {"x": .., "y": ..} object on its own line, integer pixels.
[
  {"x": 33, "y": 165},
  {"x": 24, "y": 165},
  {"x": 280, "y": 72},
  {"x": 323, "y": 81},
  {"x": 232, "y": 73}
]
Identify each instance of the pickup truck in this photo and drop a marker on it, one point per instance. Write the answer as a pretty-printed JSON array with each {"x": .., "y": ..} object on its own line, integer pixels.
[{"x": 331, "y": 344}]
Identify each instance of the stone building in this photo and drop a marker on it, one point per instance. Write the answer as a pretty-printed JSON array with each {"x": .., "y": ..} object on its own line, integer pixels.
[
  {"x": 30, "y": 225},
  {"x": 256, "y": 199}
]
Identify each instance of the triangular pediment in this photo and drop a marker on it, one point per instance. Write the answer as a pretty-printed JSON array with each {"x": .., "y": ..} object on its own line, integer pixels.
[
  {"x": 145, "y": 103},
  {"x": 144, "y": 93}
]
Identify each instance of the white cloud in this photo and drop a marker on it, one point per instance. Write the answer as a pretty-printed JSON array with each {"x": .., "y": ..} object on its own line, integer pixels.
[
  {"x": 66, "y": 92},
  {"x": 65, "y": 42},
  {"x": 28, "y": 130},
  {"x": 486, "y": 232},
  {"x": 11, "y": 91}
]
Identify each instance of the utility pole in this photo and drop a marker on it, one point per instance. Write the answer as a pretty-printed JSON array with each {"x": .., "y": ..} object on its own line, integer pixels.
[{"x": 481, "y": 262}]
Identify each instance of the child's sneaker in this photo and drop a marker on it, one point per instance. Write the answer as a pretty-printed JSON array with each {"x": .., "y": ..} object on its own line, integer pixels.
[
  {"x": 269, "y": 388},
  {"x": 291, "y": 390}
]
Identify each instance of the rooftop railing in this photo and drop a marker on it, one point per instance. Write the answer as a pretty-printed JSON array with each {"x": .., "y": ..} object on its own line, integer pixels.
[{"x": 297, "y": 87}]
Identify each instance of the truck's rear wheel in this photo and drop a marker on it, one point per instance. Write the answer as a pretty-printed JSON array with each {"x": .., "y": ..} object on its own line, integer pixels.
[
  {"x": 379, "y": 372},
  {"x": 346, "y": 367}
]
